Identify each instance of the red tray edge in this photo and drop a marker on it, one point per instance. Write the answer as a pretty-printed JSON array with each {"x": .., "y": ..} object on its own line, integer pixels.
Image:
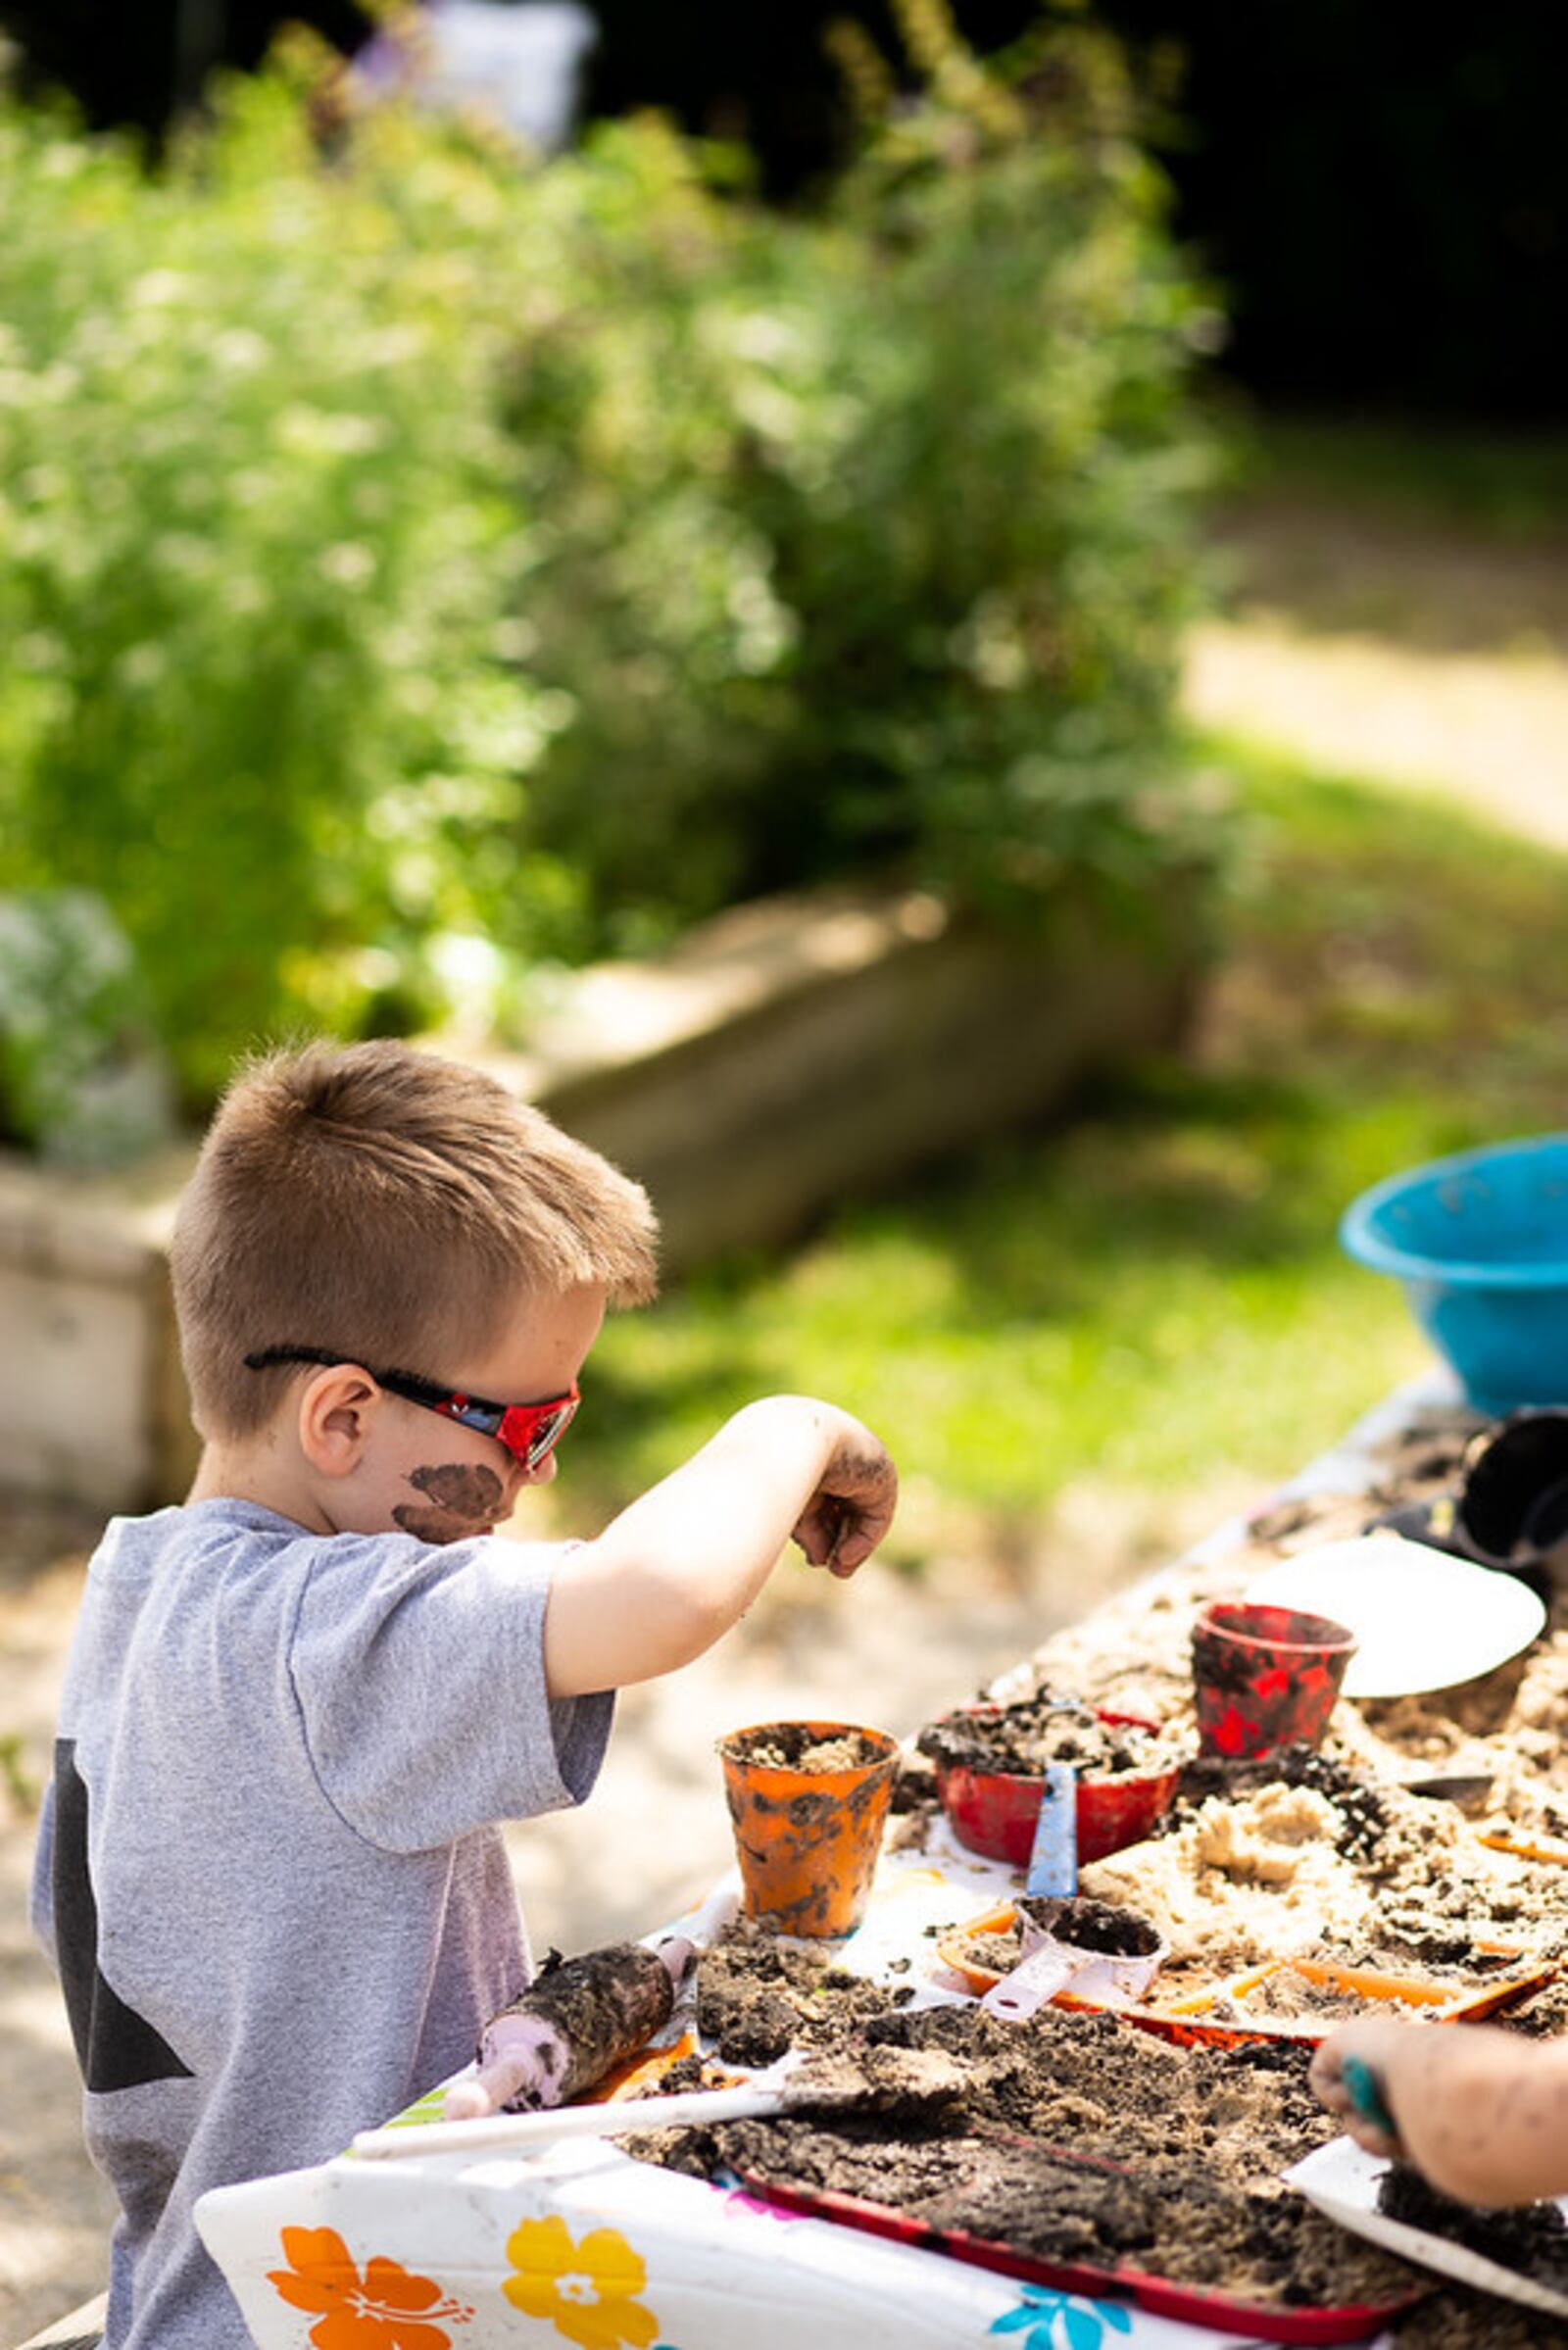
[{"x": 1349, "y": 2321}]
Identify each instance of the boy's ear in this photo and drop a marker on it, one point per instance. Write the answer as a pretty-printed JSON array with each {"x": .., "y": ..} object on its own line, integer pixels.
[{"x": 335, "y": 1412}]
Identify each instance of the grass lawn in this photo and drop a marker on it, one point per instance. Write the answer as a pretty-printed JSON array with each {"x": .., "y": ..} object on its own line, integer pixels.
[{"x": 1153, "y": 1293}]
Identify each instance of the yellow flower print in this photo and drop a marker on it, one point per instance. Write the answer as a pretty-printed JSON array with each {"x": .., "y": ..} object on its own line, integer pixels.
[{"x": 588, "y": 2290}]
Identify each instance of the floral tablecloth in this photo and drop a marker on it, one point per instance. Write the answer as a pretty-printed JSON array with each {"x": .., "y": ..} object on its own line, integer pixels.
[{"x": 582, "y": 2244}]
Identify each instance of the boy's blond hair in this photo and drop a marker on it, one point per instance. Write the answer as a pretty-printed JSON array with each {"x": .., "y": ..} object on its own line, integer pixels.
[{"x": 390, "y": 1205}]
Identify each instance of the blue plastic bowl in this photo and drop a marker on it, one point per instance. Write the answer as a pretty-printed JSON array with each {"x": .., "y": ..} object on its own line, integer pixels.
[{"x": 1480, "y": 1242}]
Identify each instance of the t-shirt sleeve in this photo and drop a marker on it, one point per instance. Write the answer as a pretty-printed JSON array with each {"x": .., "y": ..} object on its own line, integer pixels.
[{"x": 419, "y": 1677}]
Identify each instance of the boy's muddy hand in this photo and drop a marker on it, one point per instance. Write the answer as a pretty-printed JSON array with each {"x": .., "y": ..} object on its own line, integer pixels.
[{"x": 852, "y": 1507}]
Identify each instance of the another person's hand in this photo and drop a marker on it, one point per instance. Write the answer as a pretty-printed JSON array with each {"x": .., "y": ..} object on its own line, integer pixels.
[
  {"x": 1481, "y": 2113},
  {"x": 1346, "y": 2063},
  {"x": 853, "y": 1506}
]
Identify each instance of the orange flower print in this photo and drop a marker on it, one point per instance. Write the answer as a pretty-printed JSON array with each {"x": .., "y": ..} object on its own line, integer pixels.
[
  {"x": 387, "y": 2308},
  {"x": 587, "y": 2289}
]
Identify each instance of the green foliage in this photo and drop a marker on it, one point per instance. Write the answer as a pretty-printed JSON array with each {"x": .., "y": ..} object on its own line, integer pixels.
[
  {"x": 257, "y": 532},
  {"x": 81, "y": 1080},
  {"x": 420, "y": 562},
  {"x": 869, "y": 535}
]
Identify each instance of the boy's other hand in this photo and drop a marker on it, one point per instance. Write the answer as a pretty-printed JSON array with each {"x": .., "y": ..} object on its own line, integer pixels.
[
  {"x": 853, "y": 1506},
  {"x": 685, "y": 1560}
]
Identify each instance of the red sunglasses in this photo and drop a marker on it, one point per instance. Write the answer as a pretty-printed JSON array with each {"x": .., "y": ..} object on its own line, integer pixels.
[{"x": 530, "y": 1432}]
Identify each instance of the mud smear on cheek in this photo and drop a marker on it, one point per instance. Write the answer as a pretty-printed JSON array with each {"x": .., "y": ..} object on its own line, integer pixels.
[{"x": 460, "y": 1499}]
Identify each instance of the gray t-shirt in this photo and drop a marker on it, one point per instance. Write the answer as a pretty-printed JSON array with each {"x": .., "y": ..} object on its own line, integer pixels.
[{"x": 267, "y": 1869}]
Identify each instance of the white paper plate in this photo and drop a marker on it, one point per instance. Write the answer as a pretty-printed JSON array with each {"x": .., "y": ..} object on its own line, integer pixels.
[
  {"x": 1342, "y": 2182},
  {"x": 1422, "y": 1619}
]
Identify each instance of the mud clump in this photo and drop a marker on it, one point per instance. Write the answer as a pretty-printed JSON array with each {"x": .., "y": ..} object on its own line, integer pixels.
[
  {"x": 1096, "y": 1925},
  {"x": 1541, "y": 2016},
  {"x": 758, "y": 1996},
  {"x": 914, "y": 1789},
  {"x": 999, "y": 1951},
  {"x": 1287, "y": 1996},
  {"x": 915, "y": 1806}
]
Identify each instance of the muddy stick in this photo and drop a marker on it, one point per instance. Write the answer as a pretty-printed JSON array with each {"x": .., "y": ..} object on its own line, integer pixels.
[
  {"x": 898, "y": 2080},
  {"x": 577, "y": 2020}
]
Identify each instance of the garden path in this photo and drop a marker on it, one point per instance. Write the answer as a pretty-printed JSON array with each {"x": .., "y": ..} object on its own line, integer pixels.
[{"x": 1406, "y": 653}]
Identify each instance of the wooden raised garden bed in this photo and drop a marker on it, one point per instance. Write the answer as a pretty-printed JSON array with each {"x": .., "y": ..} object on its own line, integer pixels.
[{"x": 780, "y": 1057}]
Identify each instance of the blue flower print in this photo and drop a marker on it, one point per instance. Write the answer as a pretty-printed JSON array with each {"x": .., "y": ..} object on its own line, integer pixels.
[{"x": 1084, "y": 2324}]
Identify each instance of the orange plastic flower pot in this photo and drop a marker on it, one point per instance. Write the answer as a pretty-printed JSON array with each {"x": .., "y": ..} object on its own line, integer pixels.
[{"x": 807, "y": 1841}]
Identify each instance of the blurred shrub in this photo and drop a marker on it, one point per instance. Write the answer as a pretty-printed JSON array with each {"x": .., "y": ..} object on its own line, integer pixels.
[
  {"x": 420, "y": 562},
  {"x": 868, "y": 536},
  {"x": 81, "y": 1079},
  {"x": 256, "y": 533}
]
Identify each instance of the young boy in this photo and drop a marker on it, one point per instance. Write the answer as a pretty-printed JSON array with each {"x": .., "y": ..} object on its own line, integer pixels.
[
  {"x": 296, "y": 1705},
  {"x": 1481, "y": 2113}
]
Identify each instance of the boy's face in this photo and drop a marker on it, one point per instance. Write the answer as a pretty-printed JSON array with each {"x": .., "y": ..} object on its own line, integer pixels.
[{"x": 430, "y": 1476}]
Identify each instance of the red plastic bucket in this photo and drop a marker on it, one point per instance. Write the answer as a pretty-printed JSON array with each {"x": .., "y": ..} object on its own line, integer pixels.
[
  {"x": 996, "y": 1812},
  {"x": 1265, "y": 1677}
]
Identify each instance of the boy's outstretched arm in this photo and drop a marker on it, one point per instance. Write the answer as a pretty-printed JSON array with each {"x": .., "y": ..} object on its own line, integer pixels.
[
  {"x": 1481, "y": 2114},
  {"x": 684, "y": 1561}
]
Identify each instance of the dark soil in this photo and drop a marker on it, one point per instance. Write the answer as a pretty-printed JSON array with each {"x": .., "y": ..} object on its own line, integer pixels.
[
  {"x": 1195, "y": 2138},
  {"x": 756, "y": 1997},
  {"x": 915, "y": 1806},
  {"x": 790, "y": 1746},
  {"x": 1457, "y": 2318},
  {"x": 915, "y": 1787},
  {"x": 1251, "y": 2244},
  {"x": 1019, "y": 1739},
  {"x": 1531, "y": 2240},
  {"x": 1093, "y": 2084},
  {"x": 1099, "y": 1926}
]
